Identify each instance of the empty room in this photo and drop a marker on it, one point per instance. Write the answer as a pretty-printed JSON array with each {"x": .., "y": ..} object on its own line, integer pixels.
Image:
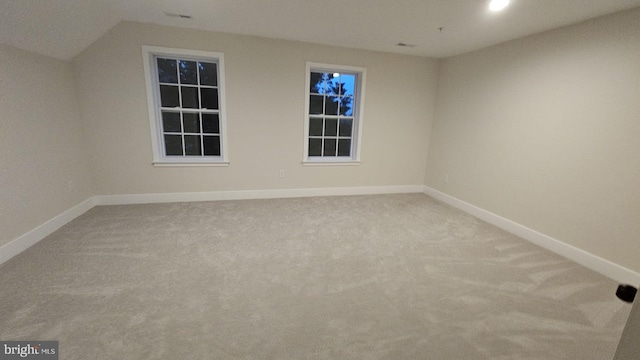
[{"x": 286, "y": 179}]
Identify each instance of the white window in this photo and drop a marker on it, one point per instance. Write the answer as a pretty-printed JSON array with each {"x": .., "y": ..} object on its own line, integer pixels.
[
  {"x": 186, "y": 99},
  {"x": 333, "y": 117}
]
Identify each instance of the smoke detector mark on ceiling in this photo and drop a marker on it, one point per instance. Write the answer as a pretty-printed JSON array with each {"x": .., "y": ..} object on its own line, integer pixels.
[{"x": 181, "y": 16}]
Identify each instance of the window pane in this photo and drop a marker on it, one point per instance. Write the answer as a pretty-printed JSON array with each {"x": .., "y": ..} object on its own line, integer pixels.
[
  {"x": 316, "y": 83},
  {"x": 208, "y": 73},
  {"x": 212, "y": 145},
  {"x": 191, "y": 122},
  {"x": 188, "y": 72},
  {"x": 331, "y": 106},
  {"x": 315, "y": 147},
  {"x": 333, "y": 85},
  {"x": 209, "y": 98},
  {"x": 210, "y": 124},
  {"x": 344, "y": 147},
  {"x": 173, "y": 144},
  {"x": 329, "y": 147},
  {"x": 348, "y": 82},
  {"x": 315, "y": 127},
  {"x": 192, "y": 145},
  {"x": 167, "y": 71},
  {"x": 169, "y": 96},
  {"x": 190, "y": 97},
  {"x": 346, "y": 105},
  {"x": 331, "y": 127},
  {"x": 345, "y": 127},
  {"x": 315, "y": 104},
  {"x": 338, "y": 85},
  {"x": 171, "y": 121}
]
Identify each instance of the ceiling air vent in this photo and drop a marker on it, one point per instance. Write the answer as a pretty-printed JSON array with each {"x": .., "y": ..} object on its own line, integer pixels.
[{"x": 174, "y": 15}]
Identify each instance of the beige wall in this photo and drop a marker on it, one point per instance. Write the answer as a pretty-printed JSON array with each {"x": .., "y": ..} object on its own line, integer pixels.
[
  {"x": 43, "y": 169},
  {"x": 545, "y": 131},
  {"x": 265, "y": 106}
]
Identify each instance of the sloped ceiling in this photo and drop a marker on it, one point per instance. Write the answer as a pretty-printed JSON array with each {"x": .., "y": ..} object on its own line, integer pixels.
[{"x": 434, "y": 28}]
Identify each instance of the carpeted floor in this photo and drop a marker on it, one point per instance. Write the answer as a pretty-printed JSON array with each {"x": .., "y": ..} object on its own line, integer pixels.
[{"x": 359, "y": 277}]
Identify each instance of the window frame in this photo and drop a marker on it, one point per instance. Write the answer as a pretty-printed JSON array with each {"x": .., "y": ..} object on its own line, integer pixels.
[
  {"x": 150, "y": 53},
  {"x": 358, "y": 114}
]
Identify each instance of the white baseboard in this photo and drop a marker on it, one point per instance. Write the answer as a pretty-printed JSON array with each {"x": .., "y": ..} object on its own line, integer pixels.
[
  {"x": 252, "y": 194},
  {"x": 23, "y": 242},
  {"x": 603, "y": 266},
  {"x": 593, "y": 262}
]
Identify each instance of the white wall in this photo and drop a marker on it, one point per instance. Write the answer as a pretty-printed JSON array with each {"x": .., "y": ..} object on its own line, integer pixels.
[
  {"x": 43, "y": 169},
  {"x": 545, "y": 131},
  {"x": 265, "y": 112}
]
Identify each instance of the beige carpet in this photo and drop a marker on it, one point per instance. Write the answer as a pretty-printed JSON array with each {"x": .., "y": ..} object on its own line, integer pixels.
[{"x": 361, "y": 277}]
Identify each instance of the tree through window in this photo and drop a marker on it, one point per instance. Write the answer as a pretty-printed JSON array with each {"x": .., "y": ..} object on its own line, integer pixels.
[
  {"x": 334, "y": 97},
  {"x": 186, "y": 97}
]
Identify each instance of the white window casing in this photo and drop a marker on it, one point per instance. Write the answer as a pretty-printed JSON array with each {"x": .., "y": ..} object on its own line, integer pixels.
[
  {"x": 336, "y": 98},
  {"x": 204, "y": 141}
]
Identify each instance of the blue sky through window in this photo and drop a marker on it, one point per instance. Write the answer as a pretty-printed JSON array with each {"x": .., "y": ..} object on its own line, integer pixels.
[
  {"x": 328, "y": 83},
  {"x": 338, "y": 88}
]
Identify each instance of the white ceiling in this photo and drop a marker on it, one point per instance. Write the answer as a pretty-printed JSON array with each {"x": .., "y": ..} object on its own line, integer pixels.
[{"x": 63, "y": 28}]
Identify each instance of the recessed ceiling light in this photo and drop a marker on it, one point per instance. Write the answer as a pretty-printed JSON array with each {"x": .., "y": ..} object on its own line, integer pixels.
[{"x": 497, "y": 5}]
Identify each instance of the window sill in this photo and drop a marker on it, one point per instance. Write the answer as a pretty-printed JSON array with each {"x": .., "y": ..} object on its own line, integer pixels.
[
  {"x": 331, "y": 163},
  {"x": 189, "y": 164}
]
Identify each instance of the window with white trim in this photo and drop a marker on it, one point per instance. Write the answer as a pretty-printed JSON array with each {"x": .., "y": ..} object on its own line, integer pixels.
[
  {"x": 186, "y": 106},
  {"x": 333, "y": 118}
]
